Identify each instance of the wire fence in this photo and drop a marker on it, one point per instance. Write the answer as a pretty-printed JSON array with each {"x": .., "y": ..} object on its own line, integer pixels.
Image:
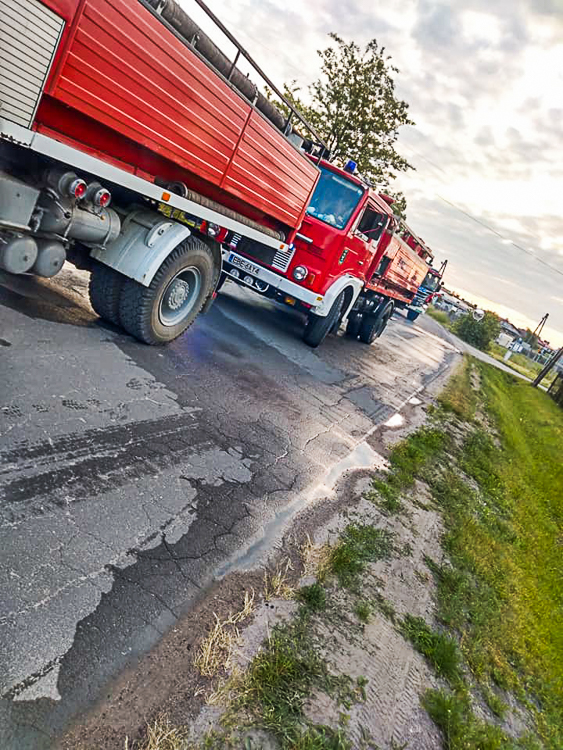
[{"x": 555, "y": 390}]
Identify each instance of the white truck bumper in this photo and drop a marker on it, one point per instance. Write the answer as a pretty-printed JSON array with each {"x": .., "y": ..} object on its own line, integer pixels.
[{"x": 250, "y": 268}]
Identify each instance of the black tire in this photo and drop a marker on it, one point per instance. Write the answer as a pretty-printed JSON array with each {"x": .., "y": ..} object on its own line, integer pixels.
[
  {"x": 317, "y": 328},
  {"x": 104, "y": 290},
  {"x": 353, "y": 325},
  {"x": 151, "y": 314},
  {"x": 412, "y": 315},
  {"x": 372, "y": 326}
]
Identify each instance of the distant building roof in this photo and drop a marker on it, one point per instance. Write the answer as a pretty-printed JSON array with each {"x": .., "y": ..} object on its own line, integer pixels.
[{"x": 507, "y": 327}]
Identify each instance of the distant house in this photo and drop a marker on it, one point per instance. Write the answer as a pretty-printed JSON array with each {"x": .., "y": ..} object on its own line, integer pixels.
[
  {"x": 504, "y": 339},
  {"x": 508, "y": 334}
]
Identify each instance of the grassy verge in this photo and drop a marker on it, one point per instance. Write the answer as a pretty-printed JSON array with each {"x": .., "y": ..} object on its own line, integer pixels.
[
  {"x": 520, "y": 363},
  {"x": 500, "y": 593}
]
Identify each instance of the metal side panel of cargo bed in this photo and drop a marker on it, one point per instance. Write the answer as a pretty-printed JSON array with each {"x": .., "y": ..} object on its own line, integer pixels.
[
  {"x": 126, "y": 71},
  {"x": 29, "y": 35}
]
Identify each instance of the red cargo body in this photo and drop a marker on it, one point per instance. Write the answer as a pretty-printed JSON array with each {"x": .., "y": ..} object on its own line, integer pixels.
[
  {"x": 126, "y": 89},
  {"x": 404, "y": 273}
]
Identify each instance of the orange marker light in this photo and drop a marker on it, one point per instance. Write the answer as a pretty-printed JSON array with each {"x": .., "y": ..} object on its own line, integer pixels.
[{"x": 165, "y": 196}]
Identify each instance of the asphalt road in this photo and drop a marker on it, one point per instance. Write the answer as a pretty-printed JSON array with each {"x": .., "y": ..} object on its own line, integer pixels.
[{"x": 130, "y": 476}]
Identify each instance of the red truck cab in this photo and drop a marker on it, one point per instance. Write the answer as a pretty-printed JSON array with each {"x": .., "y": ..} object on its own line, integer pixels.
[{"x": 346, "y": 259}]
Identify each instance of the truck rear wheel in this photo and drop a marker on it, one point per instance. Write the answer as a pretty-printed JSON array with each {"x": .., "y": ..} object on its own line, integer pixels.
[
  {"x": 162, "y": 311},
  {"x": 318, "y": 328},
  {"x": 105, "y": 292},
  {"x": 372, "y": 326},
  {"x": 353, "y": 325}
]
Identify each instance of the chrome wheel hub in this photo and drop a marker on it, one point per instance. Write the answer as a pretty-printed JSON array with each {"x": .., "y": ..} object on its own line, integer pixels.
[{"x": 178, "y": 294}]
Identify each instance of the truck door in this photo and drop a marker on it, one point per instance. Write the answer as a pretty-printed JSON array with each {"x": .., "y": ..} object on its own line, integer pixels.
[
  {"x": 370, "y": 227},
  {"x": 361, "y": 244}
]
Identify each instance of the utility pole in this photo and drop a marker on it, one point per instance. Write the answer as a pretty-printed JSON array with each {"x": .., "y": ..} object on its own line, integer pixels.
[
  {"x": 549, "y": 366},
  {"x": 539, "y": 329}
]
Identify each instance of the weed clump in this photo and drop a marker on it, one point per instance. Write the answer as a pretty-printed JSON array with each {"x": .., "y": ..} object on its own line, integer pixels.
[
  {"x": 441, "y": 650},
  {"x": 313, "y": 597},
  {"x": 452, "y": 713},
  {"x": 359, "y": 545},
  {"x": 363, "y": 610}
]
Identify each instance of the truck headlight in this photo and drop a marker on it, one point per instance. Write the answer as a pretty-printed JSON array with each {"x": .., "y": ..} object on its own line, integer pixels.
[{"x": 300, "y": 273}]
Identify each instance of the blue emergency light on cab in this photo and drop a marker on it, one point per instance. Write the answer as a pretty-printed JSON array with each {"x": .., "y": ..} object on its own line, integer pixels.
[{"x": 350, "y": 166}]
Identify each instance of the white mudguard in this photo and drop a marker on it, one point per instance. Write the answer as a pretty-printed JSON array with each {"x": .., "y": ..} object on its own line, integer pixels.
[
  {"x": 332, "y": 293},
  {"x": 146, "y": 239}
]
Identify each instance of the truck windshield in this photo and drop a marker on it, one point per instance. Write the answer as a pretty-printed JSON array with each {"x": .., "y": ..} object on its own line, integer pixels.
[
  {"x": 334, "y": 199},
  {"x": 431, "y": 282}
]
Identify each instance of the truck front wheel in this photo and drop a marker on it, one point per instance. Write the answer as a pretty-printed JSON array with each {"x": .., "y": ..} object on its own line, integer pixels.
[
  {"x": 412, "y": 315},
  {"x": 318, "y": 328},
  {"x": 162, "y": 311},
  {"x": 105, "y": 289},
  {"x": 372, "y": 326}
]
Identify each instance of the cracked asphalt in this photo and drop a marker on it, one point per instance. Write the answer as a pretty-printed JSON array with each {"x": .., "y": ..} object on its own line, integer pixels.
[{"x": 130, "y": 475}]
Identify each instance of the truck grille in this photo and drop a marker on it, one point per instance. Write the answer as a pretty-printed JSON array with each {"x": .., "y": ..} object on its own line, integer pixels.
[
  {"x": 29, "y": 35},
  {"x": 282, "y": 259},
  {"x": 278, "y": 259}
]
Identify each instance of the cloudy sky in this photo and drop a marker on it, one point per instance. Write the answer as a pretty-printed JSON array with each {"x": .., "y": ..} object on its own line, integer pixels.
[{"x": 484, "y": 80}]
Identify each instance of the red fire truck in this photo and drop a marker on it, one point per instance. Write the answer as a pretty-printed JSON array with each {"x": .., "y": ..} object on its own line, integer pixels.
[
  {"x": 352, "y": 258},
  {"x": 128, "y": 102}
]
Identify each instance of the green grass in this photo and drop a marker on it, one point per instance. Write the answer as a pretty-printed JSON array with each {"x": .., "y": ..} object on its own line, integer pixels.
[
  {"x": 440, "y": 649},
  {"x": 458, "y": 396},
  {"x": 363, "y": 610},
  {"x": 503, "y": 590},
  {"x": 385, "y": 607},
  {"x": 279, "y": 680},
  {"x": 440, "y": 316},
  {"x": 322, "y": 738},
  {"x": 408, "y": 459},
  {"x": 358, "y": 545},
  {"x": 520, "y": 363},
  {"x": 461, "y": 730},
  {"x": 313, "y": 597},
  {"x": 500, "y": 593},
  {"x": 496, "y": 704}
]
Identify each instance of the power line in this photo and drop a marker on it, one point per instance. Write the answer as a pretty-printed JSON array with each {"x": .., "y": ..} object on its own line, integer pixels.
[
  {"x": 502, "y": 237},
  {"x": 482, "y": 223}
]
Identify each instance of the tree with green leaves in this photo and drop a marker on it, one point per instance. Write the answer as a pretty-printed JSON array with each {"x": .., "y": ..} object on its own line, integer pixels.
[
  {"x": 354, "y": 107},
  {"x": 478, "y": 333}
]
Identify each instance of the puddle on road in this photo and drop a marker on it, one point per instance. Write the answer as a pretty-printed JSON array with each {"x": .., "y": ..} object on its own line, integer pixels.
[{"x": 362, "y": 457}]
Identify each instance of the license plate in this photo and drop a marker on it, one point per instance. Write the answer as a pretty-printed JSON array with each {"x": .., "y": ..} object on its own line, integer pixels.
[{"x": 244, "y": 265}]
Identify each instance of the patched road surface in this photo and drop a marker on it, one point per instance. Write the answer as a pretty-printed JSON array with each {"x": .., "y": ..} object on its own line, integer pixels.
[{"x": 130, "y": 476}]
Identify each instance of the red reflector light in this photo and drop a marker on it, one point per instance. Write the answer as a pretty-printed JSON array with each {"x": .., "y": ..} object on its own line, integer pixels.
[
  {"x": 102, "y": 198},
  {"x": 77, "y": 189}
]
